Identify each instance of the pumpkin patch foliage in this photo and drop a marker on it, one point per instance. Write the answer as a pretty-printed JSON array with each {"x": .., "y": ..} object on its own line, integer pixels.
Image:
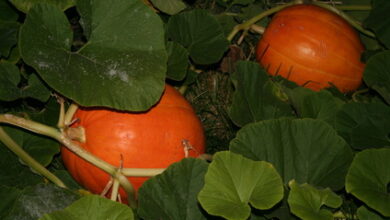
[{"x": 198, "y": 110}]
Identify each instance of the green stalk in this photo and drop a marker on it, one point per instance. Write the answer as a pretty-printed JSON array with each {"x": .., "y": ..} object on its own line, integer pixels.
[
  {"x": 142, "y": 172},
  {"x": 115, "y": 190},
  {"x": 69, "y": 114},
  {"x": 247, "y": 24},
  {"x": 336, "y": 9},
  {"x": 26, "y": 158},
  {"x": 63, "y": 139}
]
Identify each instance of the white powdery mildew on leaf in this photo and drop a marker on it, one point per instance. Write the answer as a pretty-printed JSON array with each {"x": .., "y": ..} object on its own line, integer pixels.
[
  {"x": 114, "y": 72},
  {"x": 43, "y": 65}
]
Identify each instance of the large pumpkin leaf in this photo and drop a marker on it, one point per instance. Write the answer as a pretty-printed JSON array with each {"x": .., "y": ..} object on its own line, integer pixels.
[
  {"x": 309, "y": 104},
  {"x": 8, "y": 36},
  {"x": 232, "y": 181},
  {"x": 379, "y": 21},
  {"x": 368, "y": 179},
  {"x": 8, "y": 196},
  {"x": 364, "y": 213},
  {"x": 172, "y": 194},
  {"x": 10, "y": 89},
  {"x": 33, "y": 202},
  {"x": 39, "y": 147},
  {"x": 200, "y": 33},
  {"x": 170, "y": 7},
  {"x": 122, "y": 65},
  {"x": 307, "y": 150},
  {"x": 377, "y": 74},
  {"x": 364, "y": 125},
  {"x": 255, "y": 98},
  {"x": 7, "y": 12},
  {"x": 25, "y": 5},
  {"x": 92, "y": 207},
  {"x": 177, "y": 61},
  {"x": 306, "y": 201},
  {"x": 13, "y": 173}
]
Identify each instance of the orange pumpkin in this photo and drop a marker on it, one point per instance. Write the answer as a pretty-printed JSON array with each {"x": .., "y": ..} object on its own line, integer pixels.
[
  {"x": 312, "y": 47},
  {"x": 152, "y": 139}
]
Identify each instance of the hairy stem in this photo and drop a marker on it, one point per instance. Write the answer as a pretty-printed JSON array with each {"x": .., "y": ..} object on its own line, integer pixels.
[{"x": 26, "y": 158}]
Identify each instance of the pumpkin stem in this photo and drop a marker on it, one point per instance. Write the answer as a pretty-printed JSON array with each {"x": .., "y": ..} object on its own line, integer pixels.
[
  {"x": 28, "y": 160},
  {"x": 77, "y": 134}
]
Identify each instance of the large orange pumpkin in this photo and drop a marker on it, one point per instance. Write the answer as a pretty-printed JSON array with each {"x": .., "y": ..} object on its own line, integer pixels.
[
  {"x": 313, "y": 47},
  {"x": 152, "y": 139}
]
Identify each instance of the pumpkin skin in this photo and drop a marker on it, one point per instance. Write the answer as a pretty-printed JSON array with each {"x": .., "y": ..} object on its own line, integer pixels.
[
  {"x": 152, "y": 139},
  {"x": 312, "y": 47}
]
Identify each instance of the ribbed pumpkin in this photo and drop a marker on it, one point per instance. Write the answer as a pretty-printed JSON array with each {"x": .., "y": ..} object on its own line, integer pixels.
[
  {"x": 152, "y": 139},
  {"x": 312, "y": 47}
]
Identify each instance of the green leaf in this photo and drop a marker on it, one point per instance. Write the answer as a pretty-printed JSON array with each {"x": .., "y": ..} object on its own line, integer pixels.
[
  {"x": 307, "y": 150},
  {"x": 7, "y": 12},
  {"x": 232, "y": 181},
  {"x": 34, "y": 202},
  {"x": 242, "y": 2},
  {"x": 118, "y": 67},
  {"x": 379, "y": 22},
  {"x": 200, "y": 33},
  {"x": 8, "y": 36},
  {"x": 25, "y": 5},
  {"x": 177, "y": 61},
  {"x": 368, "y": 179},
  {"x": 306, "y": 201},
  {"x": 92, "y": 207},
  {"x": 364, "y": 125},
  {"x": 364, "y": 213},
  {"x": 8, "y": 196},
  {"x": 41, "y": 148},
  {"x": 10, "y": 90},
  {"x": 9, "y": 79},
  {"x": 170, "y": 7},
  {"x": 320, "y": 105},
  {"x": 36, "y": 89},
  {"x": 255, "y": 98},
  {"x": 172, "y": 194},
  {"x": 377, "y": 74},
  {"x": 13, "y": 173}
]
